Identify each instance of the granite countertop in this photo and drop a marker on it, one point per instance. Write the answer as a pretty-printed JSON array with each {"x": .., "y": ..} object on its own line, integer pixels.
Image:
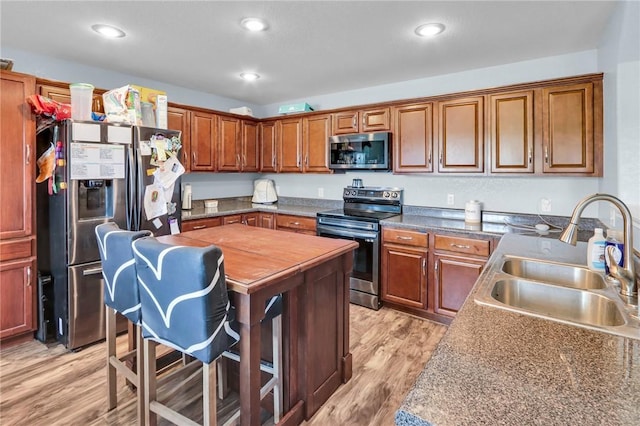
[
  {"x": 498, "y": 367},
  {"x": 229, "y": 206}
]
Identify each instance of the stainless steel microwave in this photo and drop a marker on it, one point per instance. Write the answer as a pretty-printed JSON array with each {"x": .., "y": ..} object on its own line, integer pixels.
[{"x": 360, "y": 151}]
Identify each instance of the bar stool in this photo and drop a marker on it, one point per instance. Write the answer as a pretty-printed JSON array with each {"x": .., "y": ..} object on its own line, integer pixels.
[
  {"x": 185, "y": 306},
  {"x": 120, "y": 296},
  {"x": 273, "y": 313}
]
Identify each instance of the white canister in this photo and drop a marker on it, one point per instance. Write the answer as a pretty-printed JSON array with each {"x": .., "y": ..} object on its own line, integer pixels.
[
  {"x": 186, "y": 197},
  {"x": 473, "y": 212}
]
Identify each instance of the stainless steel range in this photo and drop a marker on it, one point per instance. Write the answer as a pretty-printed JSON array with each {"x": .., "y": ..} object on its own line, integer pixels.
[{"x": 359, "y": 220}]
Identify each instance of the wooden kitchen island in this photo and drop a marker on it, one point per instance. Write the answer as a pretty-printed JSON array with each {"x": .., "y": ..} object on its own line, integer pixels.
[{"x": 313, "y": 273}]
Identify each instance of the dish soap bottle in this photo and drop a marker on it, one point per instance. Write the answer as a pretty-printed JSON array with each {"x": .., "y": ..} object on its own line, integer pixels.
[{"x": 595, "y": 251}]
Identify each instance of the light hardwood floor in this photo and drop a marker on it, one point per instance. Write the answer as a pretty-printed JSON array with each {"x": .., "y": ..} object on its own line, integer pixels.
[{"x": 47, "y": 385}]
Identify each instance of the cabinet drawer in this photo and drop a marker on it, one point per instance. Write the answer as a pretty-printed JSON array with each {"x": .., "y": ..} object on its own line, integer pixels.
[
  {"x": 192, "y": 225},
  {"x": 462, "y": 245},
  {"x": 405, "y": 237},
  {"x": 295, "y": 222},
  {"x": 16, "y": 249}
]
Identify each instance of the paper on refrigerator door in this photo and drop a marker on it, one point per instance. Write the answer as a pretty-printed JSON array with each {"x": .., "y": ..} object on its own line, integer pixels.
[
  {"x": 155, "y": 203},
  {"x": 167, "y": 174}
]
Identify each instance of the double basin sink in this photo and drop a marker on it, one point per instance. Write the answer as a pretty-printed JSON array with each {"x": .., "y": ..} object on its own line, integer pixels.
[{"x": 560, "y": 292}]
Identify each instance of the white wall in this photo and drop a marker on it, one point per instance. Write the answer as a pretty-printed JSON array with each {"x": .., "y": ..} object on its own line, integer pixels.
[
  {"x": 55, "y": 69},
  {"x": 619, "y": 58}
]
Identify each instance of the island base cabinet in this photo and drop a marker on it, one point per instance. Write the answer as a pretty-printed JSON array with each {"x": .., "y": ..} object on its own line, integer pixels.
[{"x": 454, "y": 279}]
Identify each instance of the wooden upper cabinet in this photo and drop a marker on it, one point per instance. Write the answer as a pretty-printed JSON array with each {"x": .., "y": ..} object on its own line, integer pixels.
[
  {"x": 289, "y": 149},
  {"x": 204, "y": 134},
  {"x": 17, "y": 156},
  {"x": 461, "y": 131},
  {"x": 568, "y": 129},
  {"x": 268, "y": 147},
  {"x": 229, "y": 144},
  {"x": 369, "y": 120},
  {"x": 250, "y": 147},
  {"x": 179, "y": 119},
  {"x": 511, "y": 132},
  {"x": 316, "y": 132},
  {"x": 413, "y": 138},
  {"x": 60, "y": 92}
]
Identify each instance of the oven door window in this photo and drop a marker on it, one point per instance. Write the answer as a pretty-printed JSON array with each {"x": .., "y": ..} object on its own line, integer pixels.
[{"x": 363, "y": 256}]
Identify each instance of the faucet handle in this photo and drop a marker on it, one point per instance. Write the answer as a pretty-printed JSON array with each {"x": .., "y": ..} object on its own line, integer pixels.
[{"x": 628, "y": 282}]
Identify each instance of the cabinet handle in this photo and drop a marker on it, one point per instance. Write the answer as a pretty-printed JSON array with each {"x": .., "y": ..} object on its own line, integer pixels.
[
  {"x": 237, "y": 159},
  {"x": 29, "y": 276},
  {"x": 199, "y": 227},
  {"x": 232, "y": 221},
  {"x": 193, "y": 158},
  {"x": 424, "y": 266},
  {"x": 441, "y": 158},
  {"x": 354, "y": 124},
  {"x": 185, "y": 157},
  {"x": 294, "y": 223},
  {"x": 530, "y": 155},
  {"x": 402, "y": 237},
  {"x": 429, "y": 159},
  {"x": 460, "y": 246},
  {"x": 244, "y": 160},
  {"x": 306, "y": 160},
  {"x": 298, "y": 160},
  {"x": 436, "y": 275},
  {"x": 364, "y": 119},
  {"x": 273, "y": 161},
  {"x": 28, "y": 154},
  {"x": 546, "y": 154}
]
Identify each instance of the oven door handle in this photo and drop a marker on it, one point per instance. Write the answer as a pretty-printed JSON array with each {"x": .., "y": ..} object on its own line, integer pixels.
[{"x": 344, "y": 233}]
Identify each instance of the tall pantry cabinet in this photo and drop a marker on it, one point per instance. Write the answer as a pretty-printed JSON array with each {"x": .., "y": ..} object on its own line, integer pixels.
[{"x": 18, "y": 273}]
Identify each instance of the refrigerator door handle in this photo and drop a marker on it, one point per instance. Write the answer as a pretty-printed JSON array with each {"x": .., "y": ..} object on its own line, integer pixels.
[
  {"x": 92, "y": 271},
  {"x": 130, "y": 190}
]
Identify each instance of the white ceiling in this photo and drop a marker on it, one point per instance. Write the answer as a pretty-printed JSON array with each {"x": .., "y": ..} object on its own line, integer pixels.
[{"x": 311, "y": 47}]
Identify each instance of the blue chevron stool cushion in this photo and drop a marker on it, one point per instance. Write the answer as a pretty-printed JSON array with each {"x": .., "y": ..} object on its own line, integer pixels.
[
  {"x": 184, "y": 297},
  {"x": 118, "y": 269}
]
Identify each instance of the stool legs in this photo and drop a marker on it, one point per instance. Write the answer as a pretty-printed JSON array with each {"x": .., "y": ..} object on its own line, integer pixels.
[
  {"x": 112, "y": 394},
  {"x": 150, "y": 391},
  {"x": 209, "y": 394},
  {"x": 276, "y": 336}
]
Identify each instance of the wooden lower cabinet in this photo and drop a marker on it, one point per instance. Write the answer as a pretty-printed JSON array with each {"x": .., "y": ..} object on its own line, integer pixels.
[
  {"x": 195, "y": 224},
  {"x": 430, "y": 274},
  {"x": 299, "y": 224},
  {"x": 454, "y": 279},
  {"x": 404, "y": 275},
  {"x": 267, "y": 220},
  {"x": 17, "y": 281}
]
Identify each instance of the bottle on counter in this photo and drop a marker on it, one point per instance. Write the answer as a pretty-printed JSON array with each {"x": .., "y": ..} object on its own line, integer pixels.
[
  {"x": 595, "y": 251},
  {"x": 615, "y": 239}
]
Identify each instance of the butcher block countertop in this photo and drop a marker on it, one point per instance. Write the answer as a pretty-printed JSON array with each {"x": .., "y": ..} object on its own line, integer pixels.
[{"x": 495, "y": 367}]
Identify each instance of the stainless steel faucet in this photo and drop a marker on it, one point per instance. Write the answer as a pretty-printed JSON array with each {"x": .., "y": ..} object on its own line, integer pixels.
[{"x": 626, "y": 275}]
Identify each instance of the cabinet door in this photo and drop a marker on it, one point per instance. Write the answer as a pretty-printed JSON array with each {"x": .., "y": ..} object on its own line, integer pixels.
[
  {"x": 316, "y": 143},
  {"x": 375, "y": 120},
  {"x": 345, "y": 122},
  {"x": 179, "y": 119},
  {"x": 511, "y": 132},
  {"x": 232, "y": 218},
  {"x": 250, "y": 219},
  {"x": 250, "y": 147},
  {"x": 268, "y": 147},
  {"x": 454, "y": 279},
  {"x": 17, "y": 297},
  {"x": 567, "y": 132},
  {"x": 404, "y": 275},
  {"x": 266, "y": 220},
  {"x": 413, "y": 138},
  {"x": 203, "y": 141},
  {"x": 461, "y": 132},
  {"x": 229, "y": 144},
  {"x": 17, "y": 156},
  {"x": 62, "y": 94},
  {"x": 290, "y": 145}
]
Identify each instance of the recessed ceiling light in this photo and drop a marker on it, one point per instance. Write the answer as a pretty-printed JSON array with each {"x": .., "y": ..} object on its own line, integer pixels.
[
  {"x": 249, "y": 76},
  {"x": 108, "y": 31},
  {"x": 254, "y": 24},
  {"x": 429, "y": 30}
]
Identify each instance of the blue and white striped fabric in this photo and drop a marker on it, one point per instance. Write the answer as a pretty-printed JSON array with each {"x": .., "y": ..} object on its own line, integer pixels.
[
  {"x": 118, "y": 269},
  {"x": 184, "y": 297}
]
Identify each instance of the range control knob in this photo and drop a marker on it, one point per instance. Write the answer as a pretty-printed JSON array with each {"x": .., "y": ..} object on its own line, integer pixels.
[
  {"x": 394, "y": 194},
  {"x": 353, "y": 192}
]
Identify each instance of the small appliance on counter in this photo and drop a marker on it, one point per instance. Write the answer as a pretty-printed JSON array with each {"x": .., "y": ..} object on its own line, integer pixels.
[{"x": 264, "y": 191}]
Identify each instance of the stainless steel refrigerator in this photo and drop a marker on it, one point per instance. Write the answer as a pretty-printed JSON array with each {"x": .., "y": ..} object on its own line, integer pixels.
[{"x": 102, "y": 174}]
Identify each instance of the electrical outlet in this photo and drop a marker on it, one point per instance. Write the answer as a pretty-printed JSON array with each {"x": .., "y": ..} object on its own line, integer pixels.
[
  {"x": 450, "y": 199},
  {"x": 278, "y": 189},
  {"x": 545, "y": 205},
  {"x": 320, "y": 192}
]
